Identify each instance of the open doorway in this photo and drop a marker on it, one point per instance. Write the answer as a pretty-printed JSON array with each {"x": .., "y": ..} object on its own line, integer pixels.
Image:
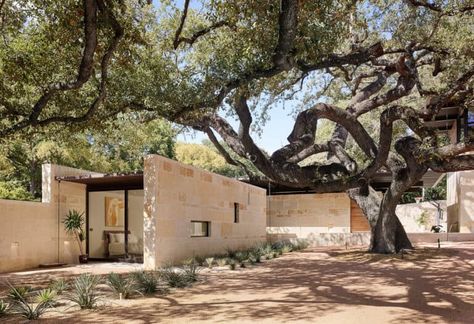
[{"x": 115, "y": 225}]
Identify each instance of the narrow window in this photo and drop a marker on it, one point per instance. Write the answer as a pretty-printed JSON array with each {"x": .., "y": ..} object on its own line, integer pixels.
[
  {"x": 236, "y": 213},
  {"x": 200, "y": 229}
]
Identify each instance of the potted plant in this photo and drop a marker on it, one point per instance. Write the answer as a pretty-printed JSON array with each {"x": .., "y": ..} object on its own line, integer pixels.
[{"x": 74, "y": 225}]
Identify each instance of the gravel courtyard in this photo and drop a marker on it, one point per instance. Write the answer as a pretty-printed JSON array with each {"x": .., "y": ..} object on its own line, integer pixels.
[{"x": 314, "y": 286}]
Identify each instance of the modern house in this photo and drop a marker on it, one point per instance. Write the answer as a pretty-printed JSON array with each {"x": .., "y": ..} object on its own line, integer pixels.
[{"x": 173, "y": 211}]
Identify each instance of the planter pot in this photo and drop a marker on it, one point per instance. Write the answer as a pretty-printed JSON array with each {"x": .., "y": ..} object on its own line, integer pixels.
[{"x": 83, "y": 258}]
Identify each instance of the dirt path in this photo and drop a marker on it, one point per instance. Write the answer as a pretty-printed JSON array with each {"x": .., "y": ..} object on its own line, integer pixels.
[{"x": 317, "y": 286}]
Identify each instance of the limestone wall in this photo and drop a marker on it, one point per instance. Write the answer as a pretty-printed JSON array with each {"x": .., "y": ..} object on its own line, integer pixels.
[
  {"x": 31, "y": 233},
  {"x": 308, "y": 215},
  {"x": 176, "y": 194},
  {"x": 410, "y": 216}
]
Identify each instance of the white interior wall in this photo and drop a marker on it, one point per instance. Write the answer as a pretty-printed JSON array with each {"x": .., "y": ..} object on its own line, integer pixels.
[{"x": 97, "y": 221}]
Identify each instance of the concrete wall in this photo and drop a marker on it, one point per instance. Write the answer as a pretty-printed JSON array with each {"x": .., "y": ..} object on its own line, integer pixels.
[
  {"x": 31, "y": 233},
  {"x": 307, "y": 215},
  {"x": 409, "y": 215},
  {"x": 460, "y": 201},
  {"x": 176, "y": 194}
]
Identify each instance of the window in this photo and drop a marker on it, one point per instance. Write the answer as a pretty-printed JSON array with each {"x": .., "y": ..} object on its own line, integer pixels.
[
  {"x": 236, "y": 212},
  {"x": 200, "y": 229}
]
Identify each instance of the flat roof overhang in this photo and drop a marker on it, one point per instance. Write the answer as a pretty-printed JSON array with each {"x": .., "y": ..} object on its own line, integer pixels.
[
  {"x": 380, "y": 182},
  {"x": 133, "y": 181}
]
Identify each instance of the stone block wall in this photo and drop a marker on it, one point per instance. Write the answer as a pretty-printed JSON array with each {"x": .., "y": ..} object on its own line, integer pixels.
[
  {"x": 176, "y": 194},
  {"x": 31, "y": 233}
]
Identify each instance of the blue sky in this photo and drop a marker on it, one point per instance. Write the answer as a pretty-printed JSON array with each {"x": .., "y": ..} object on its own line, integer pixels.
[{"x": 274, "y": 133}]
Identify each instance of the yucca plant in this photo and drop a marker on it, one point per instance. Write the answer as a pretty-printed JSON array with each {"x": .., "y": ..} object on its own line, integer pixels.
[
  {"x": 19, "y": 304},
  {"x": 29, "y": 311},
  {"x": 74, "y": 225},
  {"x": 221, "y": 262},
  {"x": 59, "y": 285},
  {"x": 84, "y": 291},
  {"x": 146, "y": 282},
  {"x": 175, "y": 278},
  {"x": 123, "y": 287},
  {"x": 18, "y": 293},
  {"x": 241, "y": 257},
  {"x": 209, "y": 262},
  {"x": 3, "y": 308}
]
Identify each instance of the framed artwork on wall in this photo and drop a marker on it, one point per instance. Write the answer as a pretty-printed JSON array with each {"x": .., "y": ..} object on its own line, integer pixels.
[{"x": 114, "y": 212}]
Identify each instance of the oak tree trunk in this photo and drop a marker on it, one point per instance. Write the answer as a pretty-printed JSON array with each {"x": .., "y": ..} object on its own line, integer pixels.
[{"x": 387, "y": 233}]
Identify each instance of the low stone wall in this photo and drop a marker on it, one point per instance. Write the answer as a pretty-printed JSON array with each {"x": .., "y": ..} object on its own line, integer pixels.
[
  {"x": 410, "y": 216},
  {"x": 326, "y": 239},
  {"x": 443, "y": 237},
  {"x": 359, "y": 239}
]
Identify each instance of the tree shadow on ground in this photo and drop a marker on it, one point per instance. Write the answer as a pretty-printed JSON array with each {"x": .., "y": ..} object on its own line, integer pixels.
[{"x": 432, "y": 286}]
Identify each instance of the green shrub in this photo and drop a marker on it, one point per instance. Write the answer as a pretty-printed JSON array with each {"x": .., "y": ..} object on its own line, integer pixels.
[
  {"x": 300, "y": 245},
  {"x": 14, "y": 190},
  {"x": 123, "y": 287},
  {"x": 209, "y": 262},
  {"x": 146, "y": 282},
  {"x": 84, "y": 291},
  {"x": 59, "y": 285}
]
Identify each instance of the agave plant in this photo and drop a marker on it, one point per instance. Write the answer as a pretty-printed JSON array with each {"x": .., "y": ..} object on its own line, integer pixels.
[
  {"x": 84, "y": 292},
  {"x": 59, "y": 285},
  {"x": 209, "y": 262},
  {"x": 124, "y": 287},
  {"x": 146, "y": 282}
]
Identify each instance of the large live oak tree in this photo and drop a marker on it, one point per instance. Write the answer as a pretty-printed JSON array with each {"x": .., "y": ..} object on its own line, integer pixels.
[{"x": 339, "y": 61}]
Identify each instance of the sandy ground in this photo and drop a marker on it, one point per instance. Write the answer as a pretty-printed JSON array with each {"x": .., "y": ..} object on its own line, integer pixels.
[{"x": 315, "y": 286}]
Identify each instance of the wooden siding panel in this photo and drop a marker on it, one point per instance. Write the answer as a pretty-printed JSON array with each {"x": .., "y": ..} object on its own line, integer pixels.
[{"x": 358, "y": 221}]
